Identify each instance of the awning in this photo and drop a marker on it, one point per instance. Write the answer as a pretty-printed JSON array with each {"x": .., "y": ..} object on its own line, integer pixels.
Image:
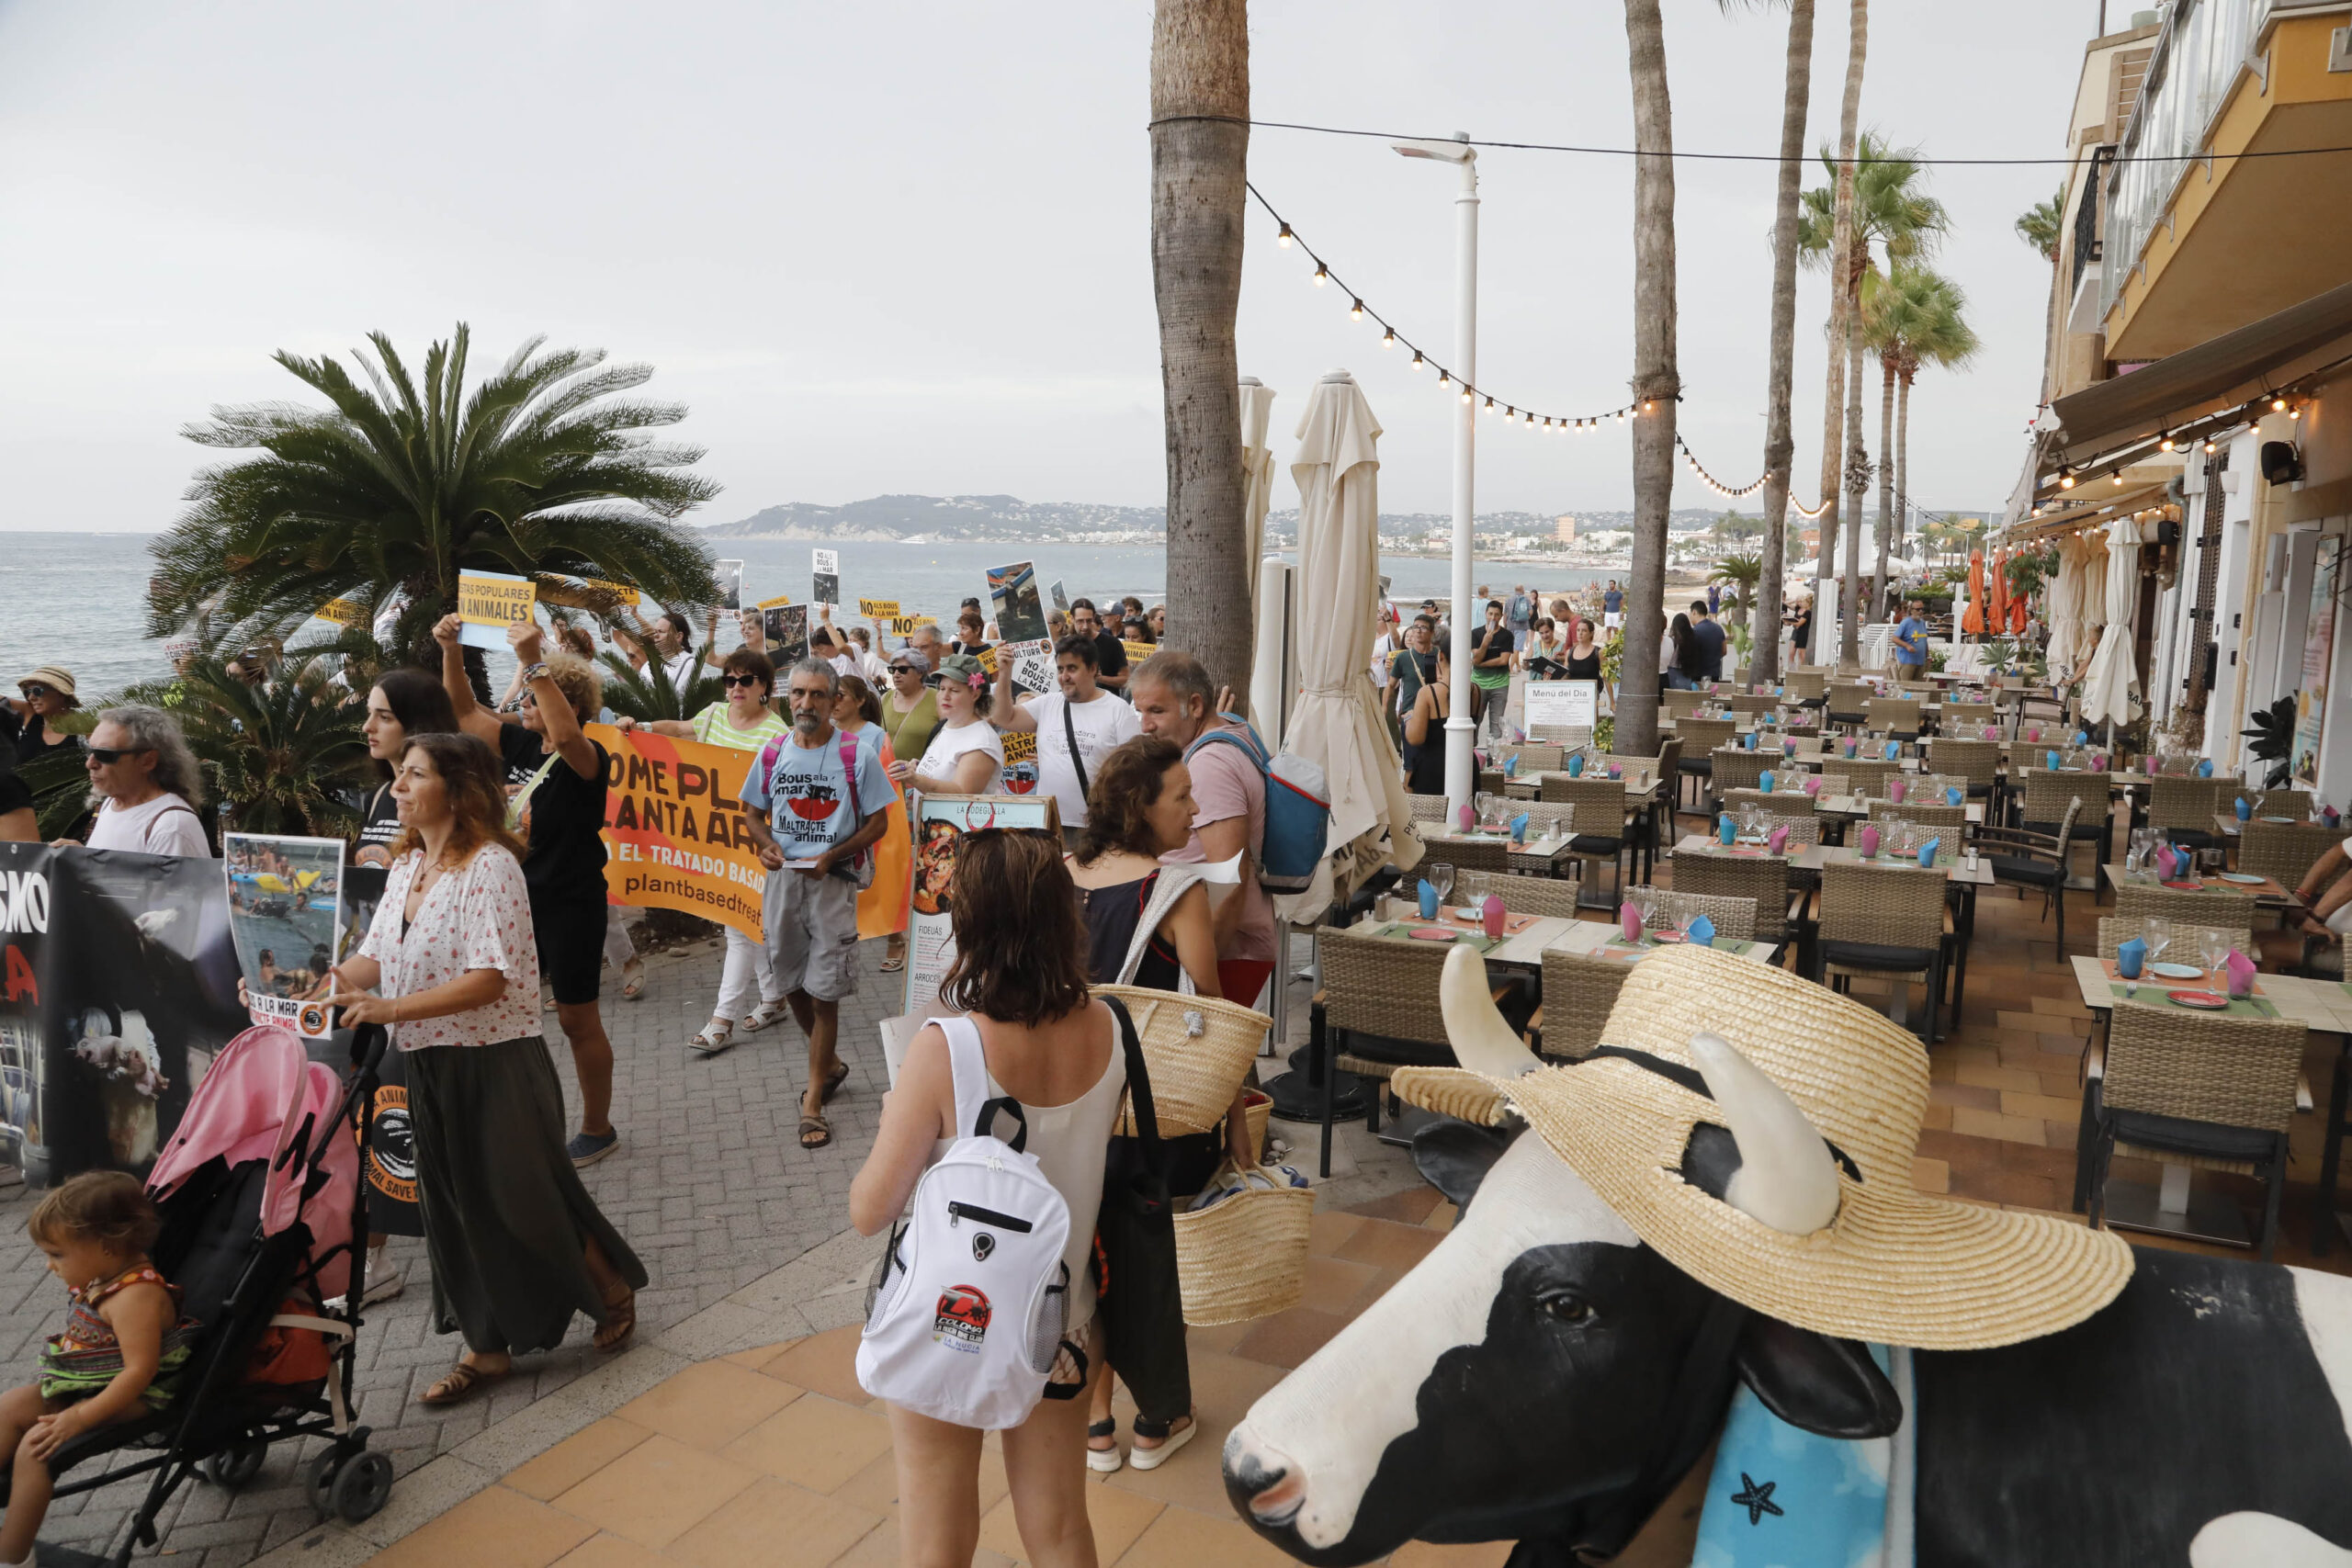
[{"x": 2215, "y": 378}]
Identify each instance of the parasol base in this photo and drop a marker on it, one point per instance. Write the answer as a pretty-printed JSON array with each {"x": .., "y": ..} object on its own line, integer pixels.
[{"x": 1299, "y": 1099}]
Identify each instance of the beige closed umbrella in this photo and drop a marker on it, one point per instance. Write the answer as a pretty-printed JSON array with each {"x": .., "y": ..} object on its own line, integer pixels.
[
  {"x": 2111, "y": 685},
  {"x": 1336, "y": 723},
  {"x": 1257, "y": 472}
]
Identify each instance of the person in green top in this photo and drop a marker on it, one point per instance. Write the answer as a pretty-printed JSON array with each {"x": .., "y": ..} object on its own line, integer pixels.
[
  {"x": 745, "y": 721},
  {"x": 910, "y": 717},
  {"x": 1490, "y": 667}
]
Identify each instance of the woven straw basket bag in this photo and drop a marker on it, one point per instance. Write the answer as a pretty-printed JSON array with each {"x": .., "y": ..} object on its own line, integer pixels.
[
  {"x": 1197, "y": 1049},
  {"x": 1246, "y": 1256}
]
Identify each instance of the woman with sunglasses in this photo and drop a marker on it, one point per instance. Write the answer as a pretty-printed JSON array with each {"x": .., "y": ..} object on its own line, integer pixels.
[
  {"x": 964, "y": 756},
  {"x": 749, "y": 996},
  {"x": 30, "y": 724}
]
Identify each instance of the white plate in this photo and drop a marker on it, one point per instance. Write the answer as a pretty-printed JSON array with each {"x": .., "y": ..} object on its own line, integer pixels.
[
  {"x": 2244, "y": 879},
  {"x": 1469, "y": 912},
  {"x": 2176, "y": 971}
]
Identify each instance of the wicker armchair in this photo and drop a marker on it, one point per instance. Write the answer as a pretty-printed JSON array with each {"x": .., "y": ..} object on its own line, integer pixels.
[
  {"x": 1761, "y": 881},
  {"x": 1520, "y": 895},
  {"x": 1470, "y": 854},
  {"x": 1578, "y": 991},
  {"x": 1978, "y": 762},
  {"x": 2284, "y": 851},
  {"x": 1702, "y": 737},
  {"x": 2294, "y": 802},
  {"x": 2182, "y": 809},
  {"x": 2211, "y": 1092},
  {"x": 1897, "y": 717},
  {"x": 1733, "y": 918},
  {"x": 1808, "y": 687},
  {"x": 1427, "y": 808},
  {"x": 2114, "y": 931},
  {"x": 1927, "y": 814},
  {"x": 1885, "y": 919},
  {"x": 1734, "y": 767},
  {"x": 1599, "y": 821},
  {"x": 2020, "y": 859},
  {"x": 1866, "y": 773},
  {"x": 1848, "y": 703},
  {"x": 1677, "y": 704},
  {"x": 2209, "y": 906},
  {"x": 2042, "y": 799},
  {"x": 1539, "y": 757}
]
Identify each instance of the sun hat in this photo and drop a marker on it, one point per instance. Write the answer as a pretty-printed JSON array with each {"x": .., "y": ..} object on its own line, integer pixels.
[
  {"x": 1895, "y": 1266},
  {"x": 49, "y": 675}
]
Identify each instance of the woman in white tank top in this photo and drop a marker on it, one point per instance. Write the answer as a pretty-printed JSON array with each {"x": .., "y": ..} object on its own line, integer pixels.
[{"x": 1020, "y": 976}]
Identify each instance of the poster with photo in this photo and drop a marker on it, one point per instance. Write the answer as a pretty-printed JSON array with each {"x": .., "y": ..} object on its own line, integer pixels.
[
  {"x": 285, "y": 918},
  {"x": 1020, "y": 617},
  {"x": 786, "y": 626},
  {"x": 1033, "y": 665},
  {"x": 727, "y": 579},
  {"x": 825, "y": 567},
  {"x": 1060, "y": 596},
  {"x": 941, "y": 822}
]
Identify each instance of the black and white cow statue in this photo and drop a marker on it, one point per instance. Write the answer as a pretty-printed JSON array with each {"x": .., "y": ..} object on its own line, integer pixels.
[{"x": 1543, "y": 1376}]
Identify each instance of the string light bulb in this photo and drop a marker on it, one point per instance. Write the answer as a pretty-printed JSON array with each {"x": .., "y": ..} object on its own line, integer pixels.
[
  {"x": 2208, "y": 446},
  {"x": 1322, "y": 274},
  {"x": 1490, "y": 405},
  {"x": 2118, "y": 479},
  {"x": 2278, "y": 405},
  {"x": 2166, "y": 443},
  {"x": 1388, "y": 338},
  {"x": 1530, "y": 419},
  {"x": 1416, "y": 364},
  {"x": 1621, "y": 416},
  {"x": 2065, "y": 479},
  {"x": 1444, "y": 378},
  {"x": 1355, "y": 311},
  {"x": 1283, "y": 238},
  {"x": 1649, "y": 407},
  {"x": 2295, "y": 414},
  {"x": 1465, "y": 394}
]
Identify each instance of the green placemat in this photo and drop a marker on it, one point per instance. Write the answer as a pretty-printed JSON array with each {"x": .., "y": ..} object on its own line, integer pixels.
[
  {"x": 1731, "y": 944},
  {"x": 1401, "y": 930},
  {"x": 2152, "y": 993}
]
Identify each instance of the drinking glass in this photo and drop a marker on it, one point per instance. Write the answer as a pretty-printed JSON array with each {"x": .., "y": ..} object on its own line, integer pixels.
[
  {"x": 1484, "y": 804},
  {"x": 1442, "y": 879},
  {"x": 2157, "y": 939},
  {"x": 1645, "y": 902},
  {"x": 2213, "y": 947}
]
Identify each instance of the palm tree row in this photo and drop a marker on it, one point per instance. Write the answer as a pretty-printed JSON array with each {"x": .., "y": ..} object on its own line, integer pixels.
[{"x": 1911, "y": 318}]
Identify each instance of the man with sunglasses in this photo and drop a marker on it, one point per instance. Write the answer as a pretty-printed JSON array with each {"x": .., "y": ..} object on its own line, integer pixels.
[{"x": 143, "y": 774}]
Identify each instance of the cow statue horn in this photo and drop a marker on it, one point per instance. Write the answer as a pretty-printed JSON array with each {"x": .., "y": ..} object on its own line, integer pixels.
[
  {"x": 1786, "y": 1178},
  {"x": 1482, "y": 1040}
]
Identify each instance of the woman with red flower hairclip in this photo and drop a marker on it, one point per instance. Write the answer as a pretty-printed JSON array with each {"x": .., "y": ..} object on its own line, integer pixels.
[{"x": 965, "y": 757}]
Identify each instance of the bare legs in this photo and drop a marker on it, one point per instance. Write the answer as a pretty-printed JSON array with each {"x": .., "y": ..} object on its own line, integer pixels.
[
  {"x": 821, "y": 1020},
  {"x": 29, "y": 1498},
  {"x": 591, "y": 1061},
  {"x": 939, "y": 1497}
]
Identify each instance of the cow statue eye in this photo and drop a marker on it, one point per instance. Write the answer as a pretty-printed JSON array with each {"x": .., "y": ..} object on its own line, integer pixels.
[{"x": 1566, "y": 1308}]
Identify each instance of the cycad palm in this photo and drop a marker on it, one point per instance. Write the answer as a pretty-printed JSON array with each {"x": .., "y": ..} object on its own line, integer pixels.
[
  {"x": 542, "y": 468},
  {"x": 280, "y": 758}
]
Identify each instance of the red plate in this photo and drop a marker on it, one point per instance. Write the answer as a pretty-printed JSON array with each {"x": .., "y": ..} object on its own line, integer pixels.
[
  {"x": 2210, "y": 1001},
  {"x": 1666, "y": 935},
  {"x": 1432, "y": 933},
  {"x": 2187, "y": 887}
]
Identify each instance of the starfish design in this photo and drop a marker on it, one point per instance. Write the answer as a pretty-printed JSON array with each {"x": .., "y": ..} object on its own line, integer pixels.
[{"x": 1756, "y": 1500}]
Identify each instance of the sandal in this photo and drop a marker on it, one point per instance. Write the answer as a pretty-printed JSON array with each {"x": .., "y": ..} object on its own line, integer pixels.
[
  {"x": 759, "y": 1017},
  {"x": 1103, "y": 1462},
  {"x": 815, "y": 1132},
  {"x": 712, "y": 1041},
  {"x": 633, "y": 980},
  {"x": 460, "y": 1380},
  {"x": 833, "y": 1082},
  {"x": 892, "y": 965},
  {"x": 620, "y": 1322},
  {"x": 1171, "y": 1436}
]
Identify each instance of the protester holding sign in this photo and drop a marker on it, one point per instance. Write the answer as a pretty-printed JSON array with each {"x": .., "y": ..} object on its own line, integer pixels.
[
  {"x": 562, "y": 810},
  {"x": 815, "y": 802},
  {"x": 964, "y": 756},
  {"x": 517, "y": 1245},
  {"x": 1075, "y": 727}
]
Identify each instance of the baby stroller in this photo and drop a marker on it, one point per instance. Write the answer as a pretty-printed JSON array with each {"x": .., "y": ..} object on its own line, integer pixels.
[{"x": 261, "y": 1199}]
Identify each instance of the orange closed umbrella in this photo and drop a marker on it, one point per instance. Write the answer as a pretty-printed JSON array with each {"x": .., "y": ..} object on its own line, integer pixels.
[
  {"x": 1996, "y": 617},
  {"x": 1974, "y": 620}
]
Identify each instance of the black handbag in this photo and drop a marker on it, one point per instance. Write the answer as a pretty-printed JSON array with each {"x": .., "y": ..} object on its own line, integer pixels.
[{"x": 1142, "y": 1305}]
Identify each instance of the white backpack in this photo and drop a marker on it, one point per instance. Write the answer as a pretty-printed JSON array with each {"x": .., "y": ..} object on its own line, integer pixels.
[{"x": 969, "y": 1303}]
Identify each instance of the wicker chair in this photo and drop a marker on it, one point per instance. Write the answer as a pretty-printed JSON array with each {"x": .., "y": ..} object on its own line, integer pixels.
[
  {"x": 2114, "y": 931},
  {"x": 2209, "y": 906},
  {"x": 1677, "y": 704},
  {"x": 1379, "y": 1012},
  {"x": 1897, "y": 717},
  {"x": 2294, "y": 802},
  {"x": 2182, "y": 809},
  {"x": 1578, "y": 991},
  {"x": 2215, "y": 1092},
  {"x": 1979, "y": 762},
  {"x": 1866, "y": 773},
  {"x": 1884, "y": 920},
  {"x": 1539, "y": 757},
  {"x": 1427, "y": 808},
  {"x": 2042, "y": 799},
  {"x": 1762, "y": 881},
  {"x": 1927, "y": 814},
  {"x": 1809, "y": 687},
  {"x": 1599, "y": 821},
  {"x": 1751, "y": 702},
  {"x": 2284, "y": 851},
  {"x": 1733, "y": 918},
  {"x": 2020, "y": 859},
  {"x": 1520, "y": 895},
  {"x": 1969, "y": 713},
  {"x": 1734, "y": 768},
  {"x": 1803, "y": 830},
  {"x": 1490, "y": 780},
  {"x": 1471, "y": 854},
  {"x": 1848, "y": 703},
  {"x": 1702, "y": 737}
]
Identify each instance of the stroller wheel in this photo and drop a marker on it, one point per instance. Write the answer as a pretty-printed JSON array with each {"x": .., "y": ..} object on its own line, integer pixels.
[
  {"x": 237, "y": 1464},
  {"x": 361, "y": 1487},
  {"x": 318, "y": 1480}
]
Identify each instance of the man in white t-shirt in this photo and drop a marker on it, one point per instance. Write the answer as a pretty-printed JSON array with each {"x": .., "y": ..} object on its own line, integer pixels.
[
  {"x": 146, "y": 783},
  {"x": 1082, "y": 710}
]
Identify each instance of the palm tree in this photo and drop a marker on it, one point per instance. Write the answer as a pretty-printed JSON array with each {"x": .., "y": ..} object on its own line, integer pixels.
[
  {"x": 2041, "y": 224},
  {"x": 1199, "y": 145},
  {"x": 1936, "y": 334},
  {"x": 1833, "y": 418},
  {"x": 1740, "y": 573},
  {"x": 1887, "y": 211},
  {"x": 647, "y": 694},
  {"x": 277, "y": 755},
  {"x": 541, "y": 471},
  {"x": 1657, "y": 384}
]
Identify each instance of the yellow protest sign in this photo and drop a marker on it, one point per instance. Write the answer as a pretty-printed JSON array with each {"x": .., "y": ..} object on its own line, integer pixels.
[
  {"x": 987, "y": 661},
  {"x": 1020, "y": 746},
  {"x": 621, "y": 593},
  {"x": 673, "y": 829},
  {"x": 901, "y": 625},
  {"x": 490, "y": 602},
  {"x": 879, "y": 609},
  {"x": 778, "y": 602},
  {"x": 926, "y": 620},
  {"x": 1139, "y": 651},
  {"x": 343, "y": 613}
]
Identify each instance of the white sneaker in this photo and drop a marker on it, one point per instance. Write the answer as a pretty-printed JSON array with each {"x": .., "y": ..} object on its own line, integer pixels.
[{"x": 385, "y": 1279}]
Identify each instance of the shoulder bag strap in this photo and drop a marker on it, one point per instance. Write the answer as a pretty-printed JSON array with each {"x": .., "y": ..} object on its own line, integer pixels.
[
  {"x": 1070, "y": 731},
  {"x": 968, "y": 1067},
  {"x": 1173, "y": 882},
  {"x": 1146, "y": 1119}
]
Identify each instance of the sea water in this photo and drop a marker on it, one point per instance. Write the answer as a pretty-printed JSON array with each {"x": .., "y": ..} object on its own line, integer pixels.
[{"x": 80, "y": 600}]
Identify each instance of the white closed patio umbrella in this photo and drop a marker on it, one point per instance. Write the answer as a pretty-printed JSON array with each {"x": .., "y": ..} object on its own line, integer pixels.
[
  {"x": 2110, "y": 686},
  {"x": 1257, "y": 472},
  {"x": 1336, "y": 722},
  {"x": 2066, "y": 610}
]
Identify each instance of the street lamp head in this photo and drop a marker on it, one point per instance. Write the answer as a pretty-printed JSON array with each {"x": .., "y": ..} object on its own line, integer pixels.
[{"x": 1457, "y": 151}]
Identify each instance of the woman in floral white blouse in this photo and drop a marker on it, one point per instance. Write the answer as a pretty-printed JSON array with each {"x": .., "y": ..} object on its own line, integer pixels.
[{"x": 517, "y": 1245}]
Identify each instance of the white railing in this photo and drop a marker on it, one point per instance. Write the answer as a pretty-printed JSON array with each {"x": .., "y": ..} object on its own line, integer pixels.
[{"x": 2197, "y": 59}]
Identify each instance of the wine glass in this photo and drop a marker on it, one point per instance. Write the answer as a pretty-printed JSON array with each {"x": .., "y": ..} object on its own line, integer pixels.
[
  {"x": 2158, "y": 939},
  {"x": 2213, "y": 947},
  {"x": 1442, "y": 879},
  {"x": 1484, "y": 803}
]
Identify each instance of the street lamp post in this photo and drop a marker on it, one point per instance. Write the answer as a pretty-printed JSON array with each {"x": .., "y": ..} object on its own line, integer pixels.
[{"x": 1461, "y": 730}]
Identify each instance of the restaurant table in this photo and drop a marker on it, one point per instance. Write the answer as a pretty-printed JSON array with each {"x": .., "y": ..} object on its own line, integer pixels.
[
  {"x": 1603, "y": 938},
  {"x": 1848, "y": 806},
  {"x": 1640, "y": 802},
  {"x": 1521, "y": 946},
  {"x": 2268, "y": 894},
  {"x": 1537, "y": 857}
]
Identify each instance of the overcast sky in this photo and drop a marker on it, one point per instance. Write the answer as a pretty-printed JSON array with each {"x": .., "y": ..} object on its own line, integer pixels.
[{"x": 904, "y": 247}]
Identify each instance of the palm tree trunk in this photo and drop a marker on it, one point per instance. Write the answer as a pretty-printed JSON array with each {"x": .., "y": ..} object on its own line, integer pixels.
[
  {"x": 1858, "y": 483},
  {"x": 1199, "y": 144},
  {"x": 1841, "y": 310},
  {"x": 1656, "y": 382},
  {"x": 1779, "y": 439},
  {"x": 1886, "y": 475},
  {"x": 1903, "y": 449}
]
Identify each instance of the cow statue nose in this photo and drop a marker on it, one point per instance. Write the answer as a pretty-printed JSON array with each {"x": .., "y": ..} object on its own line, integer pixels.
[{"x": 1260, "y": 1481}]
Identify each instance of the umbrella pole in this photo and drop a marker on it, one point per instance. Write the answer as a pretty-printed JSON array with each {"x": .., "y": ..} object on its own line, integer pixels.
[{"x": 1461, "y": 730}]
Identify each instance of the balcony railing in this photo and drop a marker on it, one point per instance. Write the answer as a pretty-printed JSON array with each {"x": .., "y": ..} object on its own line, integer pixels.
[
  {"x": 2198, "y": 58},
  {"x": 2087, "y": 230}
]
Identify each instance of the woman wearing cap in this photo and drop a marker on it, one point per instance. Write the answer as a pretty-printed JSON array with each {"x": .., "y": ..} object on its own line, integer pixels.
[
  {"x": 30, "y": 722},
  {"x": 964, "y": 756}
]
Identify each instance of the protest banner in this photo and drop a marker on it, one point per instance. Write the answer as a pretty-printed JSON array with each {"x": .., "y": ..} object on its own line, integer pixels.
[
  {"x": 1032, "y": 664},
  {"x": 727, "y": 580},
  {"x": 926, "y": 620},
  {"x": 787, "y": 629},
  {"x": 117, "y": 985},
  {"x": 343, "y": 613},
  {"x": 826, "y": 572},
  {"x": 1019, "y": 775},
  {"x": 986, "y": 657},
  {"x": 489, "y": 602},
  {"x": 675, "y": 836},
  {"x": 1575, "y": 704},
  {"x": 621, "y": 593},
  {"x": 1013, "y": 590},
  {"x": 942, "y": 820},
  {"x": 879, "y": 609},
  {"x": 284, "y": 912}
]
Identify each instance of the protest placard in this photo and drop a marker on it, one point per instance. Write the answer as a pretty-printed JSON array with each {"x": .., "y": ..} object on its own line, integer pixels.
[
  {"x": 1032, "y": 664},
  {"x": 777, "y": 602},
  {"x": 901, "y": 625},
  {"x": 1139, "y": 651},
  {"x": 878, "y": 609},
  {"x": 620, "y": 595},
  {"x": 826, "y": 569},
  {"x": 727, "y": 580},
  {"x": 987, "y": 661},
  {"x": 285, "y": 907},
  {"x": 490, "y": 602},
  {"x": 787, "y": 629},
  {"x": 942, "y": 820},
  {"x": 1013, "y": 590},
  {"x": 1575, "y": 704},
  {"x": 343, "y": 613},
  {"x": 1060, "y": 596},
  {"x": 1019, "y": 775}
]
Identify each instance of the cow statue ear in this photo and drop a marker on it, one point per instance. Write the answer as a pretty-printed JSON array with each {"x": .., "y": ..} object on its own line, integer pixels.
[
  {"x": 1829, "y": 1387},
  {"x": 1456, "y": 1156}
]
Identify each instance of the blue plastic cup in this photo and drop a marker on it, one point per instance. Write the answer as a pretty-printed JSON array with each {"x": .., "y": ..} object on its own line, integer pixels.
[
  {"x": 1428, "y": 902},
  {"x": 1727, "y": 830}
]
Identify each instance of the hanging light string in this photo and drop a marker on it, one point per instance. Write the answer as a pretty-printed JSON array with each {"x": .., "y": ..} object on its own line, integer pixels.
[
  {"x": 1511, "y": 413},
  {"x": 2203, "y": 433}
]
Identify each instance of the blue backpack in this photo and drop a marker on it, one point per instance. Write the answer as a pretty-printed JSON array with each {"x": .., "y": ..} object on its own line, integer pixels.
[{"x": 1298, "y": 808}]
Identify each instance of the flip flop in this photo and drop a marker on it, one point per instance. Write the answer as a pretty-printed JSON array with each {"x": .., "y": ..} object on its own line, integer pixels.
[
  {"x": 833, "y": 1082},
  {"x": 460, "y": 1380},
  {"x": 819, "y": 1126}
]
